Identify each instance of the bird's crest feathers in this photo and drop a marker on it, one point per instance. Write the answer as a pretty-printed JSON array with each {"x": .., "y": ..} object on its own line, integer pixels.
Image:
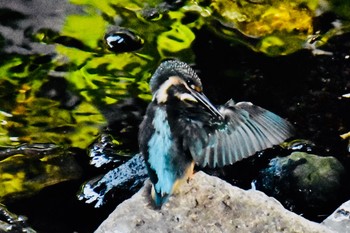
[{"x": 171, "y": 68}]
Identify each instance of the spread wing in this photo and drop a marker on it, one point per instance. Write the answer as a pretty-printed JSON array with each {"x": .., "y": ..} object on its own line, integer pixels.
[{"x": 245, "y": 130}]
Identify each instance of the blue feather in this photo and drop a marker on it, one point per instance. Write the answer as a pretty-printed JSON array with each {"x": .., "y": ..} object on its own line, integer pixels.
[{"x": 160, "y": 156}]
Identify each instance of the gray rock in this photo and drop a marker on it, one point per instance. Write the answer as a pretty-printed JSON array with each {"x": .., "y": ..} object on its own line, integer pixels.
[
  {"x": 339, "y": 221},
  {"x": 304, "y": 180},
  {"x": 10, "y": 222},
  {"x": 207, "y": 204}
]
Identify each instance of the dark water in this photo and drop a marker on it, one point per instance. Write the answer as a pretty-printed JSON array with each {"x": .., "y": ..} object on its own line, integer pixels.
[{"x": 70, "y": 71}]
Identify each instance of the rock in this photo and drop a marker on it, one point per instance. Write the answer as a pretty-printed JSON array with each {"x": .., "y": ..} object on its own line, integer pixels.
[
  {"x": 339, "y": 221},
  {"x": 10, "y": 222},
  {"x": 122, "y": 181},
  {"x": 123, "y": 40},
  {"x": 206, "y": 204},
  {"x": 303, "y": 182}
]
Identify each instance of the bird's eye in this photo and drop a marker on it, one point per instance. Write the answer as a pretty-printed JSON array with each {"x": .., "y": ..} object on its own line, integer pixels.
[{"x": 191, "y": 84}]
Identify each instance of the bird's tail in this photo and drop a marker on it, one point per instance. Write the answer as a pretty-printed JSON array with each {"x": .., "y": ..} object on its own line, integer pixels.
[{"x": 159, "y": 199}]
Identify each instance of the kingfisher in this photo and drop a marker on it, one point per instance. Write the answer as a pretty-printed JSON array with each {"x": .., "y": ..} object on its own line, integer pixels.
[{"x": 182, "y": 128}]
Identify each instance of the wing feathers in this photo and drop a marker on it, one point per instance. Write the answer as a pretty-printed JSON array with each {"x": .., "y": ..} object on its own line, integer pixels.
[{"x": 246, "y": 129}]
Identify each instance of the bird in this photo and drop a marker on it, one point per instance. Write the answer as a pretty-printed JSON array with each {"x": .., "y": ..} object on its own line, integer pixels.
[{"x": 181, "y": 128}]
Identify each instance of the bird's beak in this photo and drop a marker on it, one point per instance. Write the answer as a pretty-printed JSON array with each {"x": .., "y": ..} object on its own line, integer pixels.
[{"x": 201, "y": 98}]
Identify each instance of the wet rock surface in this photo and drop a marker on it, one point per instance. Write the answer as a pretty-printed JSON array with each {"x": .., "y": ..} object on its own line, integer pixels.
[
  {"x": 10, "y": 222},
  {"x": 207, "y": 204},
  {"x": 305, "y": 183},
  {"x": 118, "y": 183},
  {"x": 123, "y": 40}
]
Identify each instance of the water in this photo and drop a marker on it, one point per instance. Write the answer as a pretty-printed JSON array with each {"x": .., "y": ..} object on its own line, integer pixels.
[{"x": 64, "y": 83}]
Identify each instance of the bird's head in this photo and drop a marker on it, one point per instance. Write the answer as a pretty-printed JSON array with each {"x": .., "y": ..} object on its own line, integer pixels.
[{"x": 177, "y": 80}]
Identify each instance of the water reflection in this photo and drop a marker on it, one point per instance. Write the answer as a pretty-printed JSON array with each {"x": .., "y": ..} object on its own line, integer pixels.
[{"x": 61, "y": 84}]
